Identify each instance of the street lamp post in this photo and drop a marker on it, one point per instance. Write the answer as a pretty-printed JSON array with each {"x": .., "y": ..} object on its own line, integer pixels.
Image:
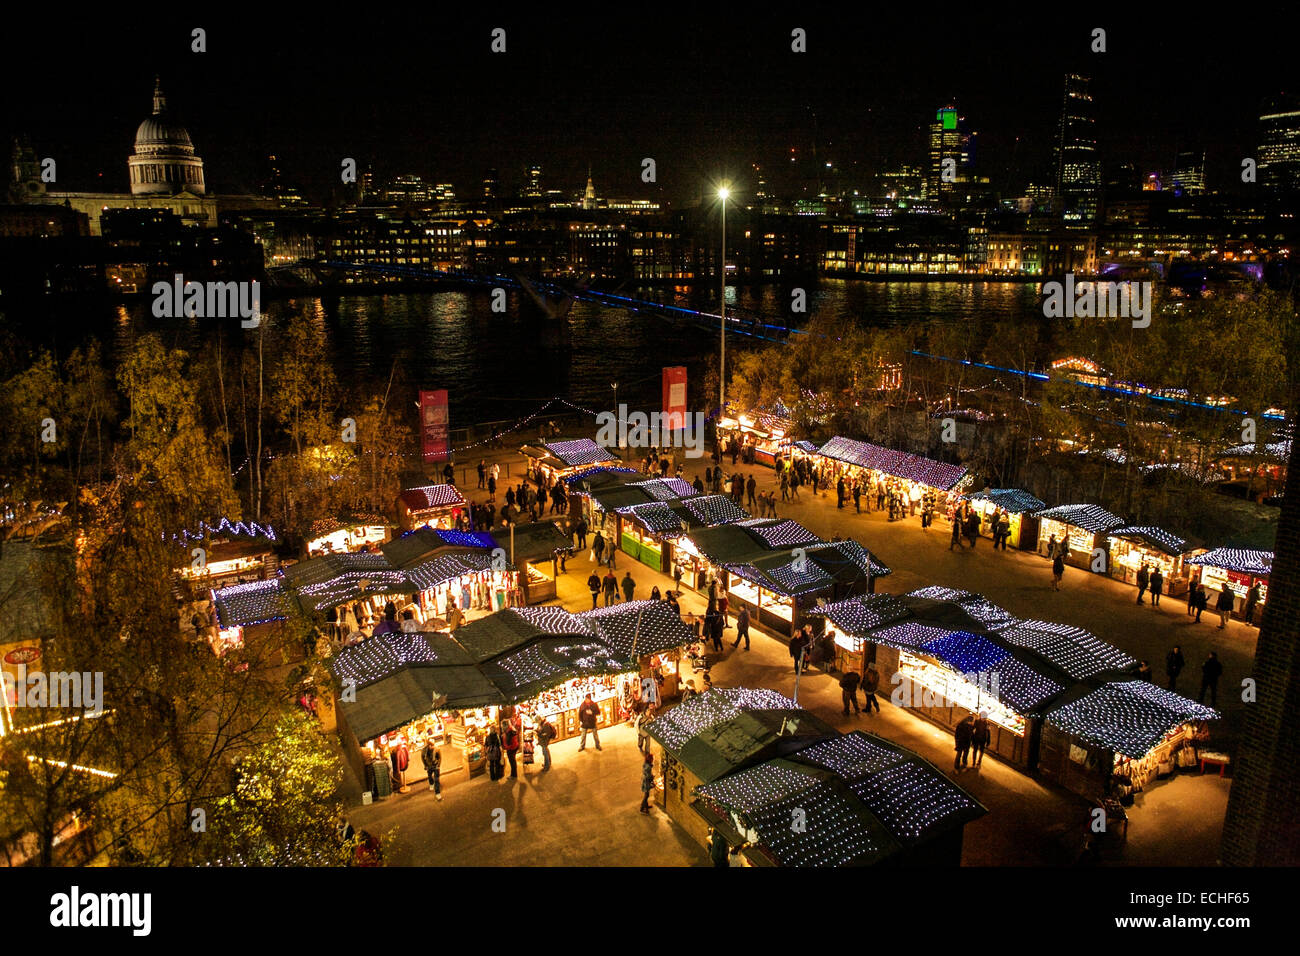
[{"x": 723, "y": 193}]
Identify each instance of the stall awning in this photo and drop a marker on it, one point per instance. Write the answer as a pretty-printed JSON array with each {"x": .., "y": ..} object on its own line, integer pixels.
[
  {"x": 413, "y": 692},
  {"x": 491, "y": 636},
  {"x": 533, "y": 542},
  {"x": 674, "y": 727},
  {"x": 617, "y": 497},
  {"x": 650, "y": 627},
  {"x": 582, "y": 451},
  {"x": 1256, "y": 563},
  {"x": 1128, "y": 717},
  {"x": 1071, "y": 649},
  {"x": 1088, "y": 517},
  {"x": 1154, "y": 539},
  {"x": 784, "y": 574},
  {"x": 857, "y": 616},
  {"x": 383, "y": 655},
  {"x": 256, "y": 602},
  {"x": 1012, "y": 500},
  {"x": 432, "y": 498},
  {"x": 447, "y": 567},
  {"x": 847, "y": 560},
  {"x": 898, "y": 464},
  {"x": 667, "y": 489},
  {"x": 524, "y": 672},
  {"x": 780, "y": 534},
  {"x": 710, "y": 511},
  {"x": 335, "y": 579},
  {"x": 657, "y": 518},
  {"x": 422, "y": 543},
  {"x": 1279, "y": 451}
]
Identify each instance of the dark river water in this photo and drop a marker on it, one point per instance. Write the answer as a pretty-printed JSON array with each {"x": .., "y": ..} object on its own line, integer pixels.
[{"x": 503, "y": 366}]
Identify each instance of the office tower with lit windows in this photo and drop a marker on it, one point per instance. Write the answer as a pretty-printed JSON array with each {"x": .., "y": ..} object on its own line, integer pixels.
[
  {"x": 1279, "y": 145},
  {"x": 950, "y": 139},
  {"x": 1078, "y": 168},
  {"x": 1189, "y": 173}
]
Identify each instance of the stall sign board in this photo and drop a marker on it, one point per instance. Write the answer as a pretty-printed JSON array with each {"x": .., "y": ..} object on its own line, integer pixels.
[
  {"x": 674, "y": 388},
  {"x": 433, "y": 424}
]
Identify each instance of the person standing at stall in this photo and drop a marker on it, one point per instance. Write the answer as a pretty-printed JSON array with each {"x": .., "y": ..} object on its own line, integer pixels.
[
  {"x": 647, "y": 781},
  {"x": 962, "y": 735},
  {"x": 839, "y": 493},
  {"x": 798, "y": 646},
  {"x": 1143, "y": 579},
  {"x": 611, "y": 589},
  {"x": 588, "y": 714},
  {"x": 492, "y": 751},
  {"x": 1224, "y": 604},
  {"x": 849, "y": 691},
  {"x": 1201, "y": 601},
  {"x": 1252, "y": 599},
  {"x": 980, "y": 737},
  {"x": 956, "y": 533},
  {"x": 1157, "y": 585},
  {"x": 511, "y": 746},
  {"x": 545, "y": 734},
  {"x": 432, "y": 766}
]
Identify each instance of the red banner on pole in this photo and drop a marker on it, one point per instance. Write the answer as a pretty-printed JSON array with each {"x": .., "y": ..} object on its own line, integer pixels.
[
  {"x": 675, "y": 397},
  {"x": 433, "y": 425}
]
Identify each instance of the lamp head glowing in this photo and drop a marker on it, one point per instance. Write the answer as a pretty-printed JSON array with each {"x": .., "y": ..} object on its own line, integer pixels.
[{"x": 724, "y": 193}]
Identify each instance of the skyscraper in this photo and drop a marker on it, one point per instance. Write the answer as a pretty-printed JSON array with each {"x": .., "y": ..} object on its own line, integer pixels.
[
  {"x": 1189, "y": 172},
  {"x": 952, "y": 146},
  {"x": 1078, "y": 170},
  {"x": 1279, "y": 145}
]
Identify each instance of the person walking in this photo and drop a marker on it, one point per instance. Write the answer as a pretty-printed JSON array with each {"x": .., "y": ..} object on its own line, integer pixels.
[
  {"x": 545, "y": 734},
  {"x": 432, "y": 766},
  {"x": 750, "y": 487},
  {"x": 610, "y": 587},
  {"x": 511, "y": 746},
  {"x": 580, "y": 529},
  {"x": 857, "y": 497},
  {"x": 1143, "y": 579},
  {"x": 870, "y": 682},
  {"x": 492, "y": 751},
  {"x": 956, "y": 533},
  {"x": 1174, "y": 663},
  {"x": 1058, "y": 571},
  {"x": 723, "y": 601},
  {"x": 981, "y": 734},
  {"x": 1157, "y": 585},
  {"x": 1211, "y": 671},
  {"x": 1224, "y": 605},
  {"x": 598, "y": 548},
  {"x": 1201, "y": 601},
  {"x": 588, "y": 714},
  {"x": 849, "y": 691},
  {"x": 742, "y": 627},
  {"x": 647, "y": 781},
  {"x": 962, "y": 735},
  {"x": 593, "y": 583},
  {"x": 798, "y": 644},
  {"x": 629, "y": 586},
  {"x": 716, "y": 633}
]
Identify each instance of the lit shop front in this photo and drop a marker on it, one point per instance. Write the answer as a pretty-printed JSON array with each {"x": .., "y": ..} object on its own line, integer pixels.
[
  {"x": 246, "y": 610},
  {"x": 469, "y": 580},
  {"x": 534, "y": 550},
  {"x": 761, "y": 439},
  {"x": 560, "y": 460},
  {"x": 1015, "y": 502},
  {"x": 433, "y": 506},
  {"x": 1114, "y": 736},
  {"x": 1132, "y": 548},
  {"x": 1082, "y": 527},
  {"x": 334, "y": 536},
  {"x": 910, "y": 475},
  {"x": 1241, "y": 570}
]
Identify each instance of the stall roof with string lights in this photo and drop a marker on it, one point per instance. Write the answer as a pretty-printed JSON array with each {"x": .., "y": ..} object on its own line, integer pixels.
[
  {"x": 1255, "y": 563},
  {"x": 1011, "y": 500},
  {"x": 897, "y": 464},
  {"x": 257, "y": 602},
  {"x": 854, "y": 799},
  {"x": 335, "y": 579},
  {"x": 1153, "y": 539},
  {"x": 1088, "y": 517},
  {"x": 566, "y": 456},
  {"x": 415, "y": 546}
]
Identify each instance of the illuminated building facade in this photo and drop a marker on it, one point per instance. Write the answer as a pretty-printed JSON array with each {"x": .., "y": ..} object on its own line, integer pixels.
[{"x": 1078, "y": 170}]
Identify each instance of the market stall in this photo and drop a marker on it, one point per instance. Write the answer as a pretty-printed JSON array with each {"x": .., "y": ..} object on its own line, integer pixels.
[
  {"x": 908, "y": 472},
  {"x": 648, "y": 633},
  {"x": 560, "y": 460},
  {"x": 1112, "y": 737},
  {"x": 1082, "y": 527},
  {"x": 364, "y": 582},
  {"x": 351, "y": 533},
  {"x": 1016, "y": 503},
  {"x": 1241, "y": 570},
  {"x": 437, "y": 506},
  {"x": 1133, "y": 547},
  {"x": 758, "y": 437},
  {"x": 533, "y": 549},
  {"x": 245, "y": 611}
]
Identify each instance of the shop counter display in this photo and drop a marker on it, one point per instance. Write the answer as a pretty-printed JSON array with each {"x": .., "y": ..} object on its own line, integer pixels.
[{"x": 642, "y": 546}]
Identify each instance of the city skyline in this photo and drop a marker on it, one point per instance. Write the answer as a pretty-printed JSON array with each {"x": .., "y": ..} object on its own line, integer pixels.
[{"x": 698, "y": 128}]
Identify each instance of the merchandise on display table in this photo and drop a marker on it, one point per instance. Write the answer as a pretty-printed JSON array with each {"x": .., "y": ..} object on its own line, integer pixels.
[
  {"x": 642, "y": 545},
  {"x": 952, "y": 689},
  {"x": 761, "y": 598}
]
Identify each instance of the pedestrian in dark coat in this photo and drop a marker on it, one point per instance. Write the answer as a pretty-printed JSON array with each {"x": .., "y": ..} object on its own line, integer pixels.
[
  {"x": 798, "y": 645},
  {"x": 742, "y": 628},
  {"x": 492, "y": 751},
  {"x": 849, "y": 691},
  {"x": 980, "y": 737},
  {"x": 1211, "y": 671},
  {"x": 593, "y": 583},
  {"x": 962, "y": 735},
  {"x": 1174, "y": 663},
  {"x": 1143, "y": 579},
  {"x": 432, "y": 766},
  {"x": 1202, "y": 601},
  {"x": 1157, "y": 586},
  {"x": 1224, "y": 604},
  {"x": 870, "y": 681},
  {"x": 647, "y": 781}
]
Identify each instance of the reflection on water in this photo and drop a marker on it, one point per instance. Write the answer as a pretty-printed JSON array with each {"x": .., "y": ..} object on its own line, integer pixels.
[{"x": 498, "y": 366}]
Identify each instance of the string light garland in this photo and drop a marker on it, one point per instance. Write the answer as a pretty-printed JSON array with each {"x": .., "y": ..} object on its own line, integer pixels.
[
  {"x": 225, "y": 526},
  {"x": 432, "y": 497},
  {"x": 1072, "y": 649},
  {"x": 1012, "y": 500},
  {"x": 1255, "y": 563},
  {"x": 657, "y": 517},
  {"x": 651, "y": 626},
  {"x": 1127, "y": 717},
  {"x": 689, "y": 718},
  {"x": 1159, "y": 538},
  {"x": 1088, "y": 517},
  {"x": 667, "y": 489},
  {"x": 856, "y": 616},
  {"x": 255, "y": 602},
  {"x": 785, "y": 534},
  {"x": 897, "y": 464},
  {"x": 714, "y": 510},
  {"x": 581, "y": 451}
]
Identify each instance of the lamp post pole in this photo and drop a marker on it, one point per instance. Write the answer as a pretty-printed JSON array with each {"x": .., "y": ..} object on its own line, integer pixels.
[{"x": 722, "y": 360}]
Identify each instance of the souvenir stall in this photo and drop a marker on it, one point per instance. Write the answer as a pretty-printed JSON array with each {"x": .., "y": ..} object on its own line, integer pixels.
[
  {"x": 714, "y": 520},
  {"x": 470, "y": 579},
  {"x": 435, "y": 506},
  {"x": 911, "y": 476},
  {"x": 1114, "y": 737},
  {"x": 761, "y": 438},
  {"x": 650, "y": 633},
  {"x": 1015, "y": 502},
  {"x": 1082, "y": 527},
  {"x": 354, "y": 533},
  {"x": 364, "y": 582},
  {"x": 1132, "y": 547},
  {"x": 1240, "y": 570},
  {"x": 534, "y": 550},
  {"x": 647, "y": 532},
  {"x": 849, "y": 622},
  {"x": 563, "y": 459},
  {"x": 226, "y": 553}
]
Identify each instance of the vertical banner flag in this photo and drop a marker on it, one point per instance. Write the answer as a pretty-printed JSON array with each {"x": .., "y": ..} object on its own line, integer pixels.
[
  {"x": 675, "y": 397},
  {"x": 433, "y": 425}
]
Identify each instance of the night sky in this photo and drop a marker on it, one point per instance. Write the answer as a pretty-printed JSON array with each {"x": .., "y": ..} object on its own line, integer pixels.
[{"x": 703, "y": 95}]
